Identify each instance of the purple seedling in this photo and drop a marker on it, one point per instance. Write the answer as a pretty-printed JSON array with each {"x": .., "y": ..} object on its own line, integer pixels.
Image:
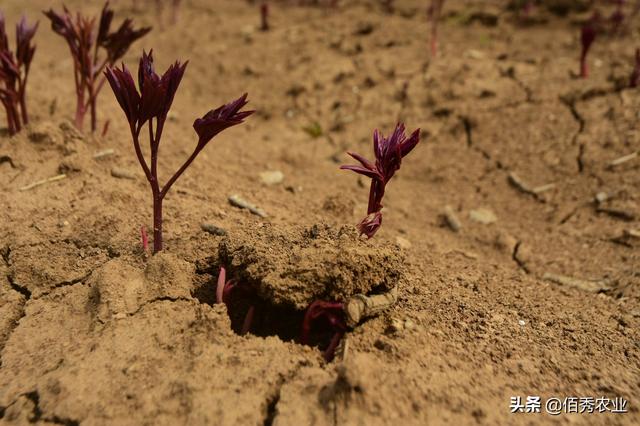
[
  {"x": 389, "y": 153},
  {"x": 150, "y": 103},
  {"x": 320, "y": 317},
  {"x": 264, "y": 16},
  {"x": 527, "y": 8},
  {"x": 14, "y": 70},
  {"x": 332, "y": 314},
  {"x": 434, "y": 12},
  {"x": 618, "y": 17},
  {"x": 588, "y": 35},
  {"x": 224, "y": 291},
  {"x": 86, "y": 45},
  {"x": 144, "y": 239},
  {"x": 634, "y": 79}
]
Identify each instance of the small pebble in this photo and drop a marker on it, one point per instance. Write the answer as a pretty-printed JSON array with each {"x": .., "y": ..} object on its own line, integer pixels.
[
  {"x": 505, "y": 242},
  {"x": 521, "y": 323},
  {"x": 273, "y": 177},
  {"x": 452, "y": 219},
  {"x": 293, "y": 189},
  {"x": 237, "y": 201},
  {"x": 120, "y": 173},
  {"x": 484, "y": 216},
  {"x": 601, "y": 197},
  {"x": 104, "y": 153},
  {"x": 474, "y": 54},
  {"x": 403, "y": 243},
  {"x": 247, "y": 32},
  {"x": 409, "y": 325},
  {"x": 395, "y": 326},
  {"x": 213, "y": 229}
]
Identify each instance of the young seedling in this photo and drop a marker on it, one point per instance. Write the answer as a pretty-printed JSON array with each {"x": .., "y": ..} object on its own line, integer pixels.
[
  {"x": 332, "y": 313},
  {"x": 618, "y": 18},
  {"x": 434, "y": 12},
  {"x": 634, "y": 79},
  {"x": 264, "y": 16},
  {"x": 150, "y": 105},
  {"x": 527, "y": 8},
  {"x": 320, "y": 316},
  {"x": 224, "y": 291},
  {"x": 389, "y": 153},
  {"x": 144, "y": 239},
  {"x": 14, "y": 70},
  {"x": 92, "y": 51},
  {"x": 588, "y": 35}
]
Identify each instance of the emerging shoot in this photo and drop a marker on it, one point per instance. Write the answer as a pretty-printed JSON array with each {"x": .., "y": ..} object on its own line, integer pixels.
[
  {"x": 588, "y": 35},
  {"x": 14, "y": 70},
  {"x": 434, "y": 12},
  {"x": 389, "y": 153},
  {"x": 150, "y": 104},
  {"x": 264, "y": 16},
  {"x": 86, "y": 45},
  {"x": 634, "y": 79}
]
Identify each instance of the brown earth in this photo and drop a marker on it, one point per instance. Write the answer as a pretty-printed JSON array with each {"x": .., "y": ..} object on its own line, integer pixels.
[{"x": 93, "y": 331}]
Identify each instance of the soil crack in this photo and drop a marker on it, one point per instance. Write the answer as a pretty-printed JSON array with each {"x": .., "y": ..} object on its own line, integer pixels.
[
  {"x": 272, "y": 401},
  {"x": 19, "y": 288},
  {"x": 274, "y": 397},
  {"x": 6, "y": 253},
  {"x": 68, "y": 283},
  {"x": 516, "y": 259},
  {"x": 468, "y": 129},
  {"x": 571, "y": 102},
  {"x": 160, "y": 299},
  {"x": 37, "y": 415}
]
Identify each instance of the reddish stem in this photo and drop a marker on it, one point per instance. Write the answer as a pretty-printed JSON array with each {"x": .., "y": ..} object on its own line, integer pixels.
[
  {"x": 92, "y": 102},
  {"x": 145, "y": 238},
  {"x": 105, "y": 128},
  {"x": 23, "y": 102},
  {"x": 80, "y": 110},
  {"x": 264, "y": 15},
  {"x": 157, "y": 221},
  {"x": 434, "y": 45},
  {"x": 584, "y": 68},
  {"x": 330, "y": 352},
  {"x": 248, "y": 320},
  {"x": 222, "y": 279}
]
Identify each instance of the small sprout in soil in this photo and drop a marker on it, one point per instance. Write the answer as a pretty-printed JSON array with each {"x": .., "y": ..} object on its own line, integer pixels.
[
  {"x": 14, "y": 70},
  {"x": 634, "y": 79},
  {"x": 225, "y": 290},
  {"x": 314, "y": 130},
  {"x": 617, "y": 18},
  {"x": 588, "y": 34},
  {"x": 333, "y": 317},
  {"x": 85, "y": 45},
  {"x": 264, "y": 16},
  {"x": 527, "y": 8},
  {"x": 323, "y": 321},
  {"x": 389, "y": 153},
  {"x": 153, "y": 101},
  {"x": 434, "y": 12},
  {"x": 144, "y": 238}
]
